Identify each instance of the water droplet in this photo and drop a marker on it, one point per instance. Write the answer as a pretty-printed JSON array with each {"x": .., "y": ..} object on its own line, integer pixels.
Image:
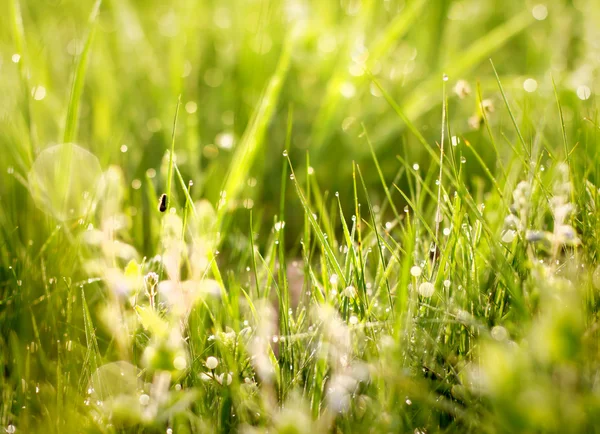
[
  {"x": 279, "y": 225},
  {"x": 530, "y": 85},
  {"x": 508, "y": 236},
  {"x": 463, "y": 160},
  {"x": 38, "y": 93},
  {"x": 426, "y": 289},
  {"x": 416, "y": 271},
  {"x": 539, "y": 12},
  {"x": 285, "y": 153},
  {"x": 445, "y": 77},
  {"x": 584, "y": 93}
]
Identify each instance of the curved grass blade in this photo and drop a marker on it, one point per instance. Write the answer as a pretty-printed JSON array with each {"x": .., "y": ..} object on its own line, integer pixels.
[
  {"x": 253, "y": 138},
  {"x": 72, "y": 119}
]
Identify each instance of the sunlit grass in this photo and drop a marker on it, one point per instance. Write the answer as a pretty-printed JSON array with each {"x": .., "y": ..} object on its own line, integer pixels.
[{"x": 298, "y": 216}]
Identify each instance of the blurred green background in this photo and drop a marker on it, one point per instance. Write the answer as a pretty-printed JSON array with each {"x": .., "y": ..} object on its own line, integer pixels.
[
  {"x": 219, "y": 56},
  {"x": 329, "y": 69}
]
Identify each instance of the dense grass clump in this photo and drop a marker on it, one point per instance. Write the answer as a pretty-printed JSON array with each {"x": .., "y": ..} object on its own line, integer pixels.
[{"x": 299, "y": 216}]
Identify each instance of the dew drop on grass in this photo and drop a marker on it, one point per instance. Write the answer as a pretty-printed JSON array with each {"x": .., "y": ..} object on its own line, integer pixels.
[
  {"x": 426, "y": 289},
  {"x": 463, "y": 160},
  {"x": 508, "y": 236},
  {"x": 279, "y": 225},
  {"x": 285, "y": 153},
  {"x": 530, "y": 85},
  {"x": 539, "y": 12},
  {"x": 59, "y": 179},
  {"x": 499, "y": 333},
  {"x": 584, "y": 93},
  {"x": 416, "y": 271}
]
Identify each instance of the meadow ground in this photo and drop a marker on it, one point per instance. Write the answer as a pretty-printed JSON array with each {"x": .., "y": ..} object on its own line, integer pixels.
[{"x": 299, "y": 216}]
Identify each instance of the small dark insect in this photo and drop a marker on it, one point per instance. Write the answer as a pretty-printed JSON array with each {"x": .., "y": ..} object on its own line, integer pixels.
[
  {"x": 162, "y": 203},
  {"x": 434, "y": 252}
]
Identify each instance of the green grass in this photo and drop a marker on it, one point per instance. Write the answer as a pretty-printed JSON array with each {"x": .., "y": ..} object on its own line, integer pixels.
[{"x": 350, "y": 243}]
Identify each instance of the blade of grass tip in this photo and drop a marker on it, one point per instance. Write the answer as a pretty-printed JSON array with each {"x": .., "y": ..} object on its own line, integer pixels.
[
  {"x": 288, "y": 141},
  {"x": 172, "y": 154},
  {"x": 402, "y": 294},
  {"x": 284, "y": 300},
  {"x": 396, "y": 180},
  {"x": 253, "y": 139},
  {"x": 72, "y": 119},
  {"x": 418, "y": 214},
  {"x": 486, "y": 170},
  {"x": 318, "y": 232},
  {"x": 380, "y": 173},
  {"x": 320, "y": 201},
  {"x": 188, "y": 205},
  {"x": 253, "y": 255},
  {"x": 564, "y": 135},
  {"x": 378, "y": 239},
  {"x": 439, "y": 192},
  {"x": 18, "y": 31},
  {"x": 351, "y": 258},
  {"x": 186, "y": 190},
  {"x": 358, "y": 232},
  {"x": 510, "y": 112},
  {"x": 489, "y": 130}
]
